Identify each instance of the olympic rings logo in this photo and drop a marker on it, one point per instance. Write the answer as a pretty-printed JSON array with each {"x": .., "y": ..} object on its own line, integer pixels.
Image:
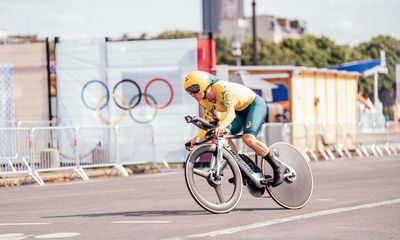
[{"x": 120, "y": 101}]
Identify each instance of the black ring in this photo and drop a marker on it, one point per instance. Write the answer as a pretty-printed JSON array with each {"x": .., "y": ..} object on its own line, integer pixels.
[
  {"x": 130, "y": 106},
  {"x": 83, "y": 90},
  {"x": 155, "y": 110}
]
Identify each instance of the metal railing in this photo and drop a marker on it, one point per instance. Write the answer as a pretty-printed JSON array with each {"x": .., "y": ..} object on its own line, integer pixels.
[
  {"x": 331, "y": 141},
  {"x": 43, "y": 149},
  {"x": 36, "y": 123},
  {"x": 40, "y": 149}
]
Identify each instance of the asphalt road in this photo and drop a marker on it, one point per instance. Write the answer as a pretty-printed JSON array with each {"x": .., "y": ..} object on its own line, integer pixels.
[{"x": 352, "y": 199}]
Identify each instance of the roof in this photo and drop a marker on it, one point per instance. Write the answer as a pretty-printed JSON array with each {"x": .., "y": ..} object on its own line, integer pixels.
[
  {"x": 357, "y": 66},
  {"x": 365, "y": 67},
  {"x": 295, "y": 69}
]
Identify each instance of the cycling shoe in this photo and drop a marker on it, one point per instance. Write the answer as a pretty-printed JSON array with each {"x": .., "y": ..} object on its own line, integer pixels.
[{"x": 278, "y": 178}]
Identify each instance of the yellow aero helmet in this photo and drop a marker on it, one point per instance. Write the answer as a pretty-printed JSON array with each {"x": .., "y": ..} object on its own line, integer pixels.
[{"x": 198, "y": 81}]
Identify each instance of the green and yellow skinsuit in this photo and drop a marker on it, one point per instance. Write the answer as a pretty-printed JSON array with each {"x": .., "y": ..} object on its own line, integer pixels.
[{"x": 238, "y": 108}]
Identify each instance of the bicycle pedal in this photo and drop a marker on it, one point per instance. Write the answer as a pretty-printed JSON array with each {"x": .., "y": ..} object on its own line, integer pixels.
[{"x": 267, "y": 180}]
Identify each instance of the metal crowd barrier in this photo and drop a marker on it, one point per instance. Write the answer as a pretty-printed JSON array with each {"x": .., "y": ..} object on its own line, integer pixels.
[
  {"x": 98, "y": 147},
  {"x": 44, "y": 149},
  {"x": 16, "y": 153},
  {"x": 136, "y": 150},
  {"x": 54, "y": 148},
  {"x": 36, "y": 123},
  {"x": 331, "y": 141},
  {"x": 41, "y": 149}
]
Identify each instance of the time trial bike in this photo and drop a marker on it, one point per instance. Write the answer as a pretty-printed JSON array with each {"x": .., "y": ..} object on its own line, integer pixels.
[{"x": 215, "y": 174}]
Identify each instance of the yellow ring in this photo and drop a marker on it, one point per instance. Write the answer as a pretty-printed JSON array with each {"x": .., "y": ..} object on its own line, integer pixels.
[{"x": 106, "y": 121}]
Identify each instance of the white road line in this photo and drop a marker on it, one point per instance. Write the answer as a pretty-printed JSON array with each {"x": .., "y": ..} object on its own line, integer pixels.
[
  {"x": 23, "y": 224},
  {"x": 58, "y": 235},
  {"x": 289, "y": 219},
  {"x": 140, "y": 222},
  {"x": 11, "y": 235}
]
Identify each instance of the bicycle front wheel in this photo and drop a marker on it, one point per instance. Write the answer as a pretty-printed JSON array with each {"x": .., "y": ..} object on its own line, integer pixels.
[
  {"x": 296, "y": 191},
  {"x": 215, "y": 193}
]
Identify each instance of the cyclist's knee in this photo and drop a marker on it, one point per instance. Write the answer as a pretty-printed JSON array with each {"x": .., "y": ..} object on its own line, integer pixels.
[{"x": 249, "y": 140}]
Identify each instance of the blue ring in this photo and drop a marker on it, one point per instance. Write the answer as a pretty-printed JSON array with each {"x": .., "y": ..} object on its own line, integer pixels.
[{"x": 105, "y": 87}]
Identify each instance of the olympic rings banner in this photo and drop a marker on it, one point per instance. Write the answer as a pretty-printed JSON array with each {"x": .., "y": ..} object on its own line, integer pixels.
[{"x": 128, "y": 83}]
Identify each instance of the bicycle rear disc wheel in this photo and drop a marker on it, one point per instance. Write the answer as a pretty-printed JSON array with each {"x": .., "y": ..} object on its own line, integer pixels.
[
  {"x": 296, "y": 194},
  {"x": 214, "y": 194}
]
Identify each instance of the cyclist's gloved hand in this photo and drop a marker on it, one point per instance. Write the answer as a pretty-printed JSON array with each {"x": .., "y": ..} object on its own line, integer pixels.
[
  {"x": 214, "y": 121},
  {"x": 189, "y": 144},
  {"x": 219, "y": 131}
]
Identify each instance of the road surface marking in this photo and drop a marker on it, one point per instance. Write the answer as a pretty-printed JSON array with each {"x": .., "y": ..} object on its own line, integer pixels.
[
  {"x": 324, "y": 199},
  {"x": 11, "y": 236},
  {"x": 289, "y": 219},
  {"x": 22, "y": 224},
  {"x": 58, "y": 235},
  {"x": 140, "y": 222}
]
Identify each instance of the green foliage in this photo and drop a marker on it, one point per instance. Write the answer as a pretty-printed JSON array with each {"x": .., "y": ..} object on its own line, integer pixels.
[
  {"x": 318, "y": 52},
  {"x": 310, "y": 51},
  {"x": 224, "y": 49},
  {"x": 391, "y": 46},
  {"x": 175, "y": 34}
]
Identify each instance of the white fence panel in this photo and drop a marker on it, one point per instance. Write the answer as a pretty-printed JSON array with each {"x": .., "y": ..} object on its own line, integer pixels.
[
  {"x": 136, "y": 145},
  {"x": 15, "y": 154},
  {"x": 97, "y": 145},
  {"x": 54, "y": 148}
]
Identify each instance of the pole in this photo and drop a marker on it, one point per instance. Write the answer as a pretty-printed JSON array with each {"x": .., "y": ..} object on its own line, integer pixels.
[
  {"x": 376, "y": 99},
  {"x": 254, "y": 55},
  {"x": 48, "y": 77}
]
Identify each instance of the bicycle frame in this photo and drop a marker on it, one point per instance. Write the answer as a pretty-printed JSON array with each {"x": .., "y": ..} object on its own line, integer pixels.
[
  {"x": 255, "y": 177},
  {"x": 292, "y": 194}
]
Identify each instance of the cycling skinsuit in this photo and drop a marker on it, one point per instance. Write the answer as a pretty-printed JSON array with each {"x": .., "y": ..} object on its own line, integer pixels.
[{"x": 243, "y": 110}]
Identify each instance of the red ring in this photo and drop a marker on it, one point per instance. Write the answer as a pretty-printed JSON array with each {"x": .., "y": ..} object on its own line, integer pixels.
[{"x": 171, "y": 90}]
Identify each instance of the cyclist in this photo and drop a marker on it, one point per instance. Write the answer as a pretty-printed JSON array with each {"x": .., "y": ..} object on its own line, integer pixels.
[{"x": 242, "y": 109}]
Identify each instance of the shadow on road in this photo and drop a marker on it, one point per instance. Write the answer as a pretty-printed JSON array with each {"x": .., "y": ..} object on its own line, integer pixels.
[{"x": 159, "y": 213}]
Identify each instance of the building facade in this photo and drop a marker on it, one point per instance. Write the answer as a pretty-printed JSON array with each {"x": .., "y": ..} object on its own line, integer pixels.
[{"x": 268, "y": 27}]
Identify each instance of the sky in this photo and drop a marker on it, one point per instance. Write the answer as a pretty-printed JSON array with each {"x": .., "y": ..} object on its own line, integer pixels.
[{"x": 344, "y": 21}]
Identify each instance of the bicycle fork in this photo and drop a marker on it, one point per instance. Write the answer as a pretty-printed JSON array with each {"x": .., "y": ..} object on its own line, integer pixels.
[{"x": 220, "y": 149}]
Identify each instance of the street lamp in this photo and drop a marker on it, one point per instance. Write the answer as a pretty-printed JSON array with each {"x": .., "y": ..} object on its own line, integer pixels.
[
  {"x": 237, "y": 52},
  {"x": 254, "y": 55}
]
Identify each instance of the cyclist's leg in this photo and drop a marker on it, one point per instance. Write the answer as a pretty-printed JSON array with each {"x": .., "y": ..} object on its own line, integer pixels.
[
  {"x": 256, "y": 114},
  {"x": 236, "y": 127}
]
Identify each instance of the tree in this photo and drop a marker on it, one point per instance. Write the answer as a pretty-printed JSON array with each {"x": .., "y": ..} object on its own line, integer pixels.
[
  {"x": 176, "y": 34},
  {"x": 312, "y": 51},
  {"x": 387, "y": 82}
]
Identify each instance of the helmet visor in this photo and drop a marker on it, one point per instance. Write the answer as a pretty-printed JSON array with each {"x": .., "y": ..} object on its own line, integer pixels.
[{"x": 195, "y": 88}]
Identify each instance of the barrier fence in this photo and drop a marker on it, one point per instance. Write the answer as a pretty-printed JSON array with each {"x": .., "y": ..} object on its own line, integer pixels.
[
  {"x": 31, "y": 149},
  {"x": 331, "y": 141},
  {"x": 44, "y": 149}
]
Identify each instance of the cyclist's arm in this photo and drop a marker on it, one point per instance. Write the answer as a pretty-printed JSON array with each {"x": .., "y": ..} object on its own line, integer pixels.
[
  {"x": 207, "y": 115},
  {"x": 227, "y": 101}
]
